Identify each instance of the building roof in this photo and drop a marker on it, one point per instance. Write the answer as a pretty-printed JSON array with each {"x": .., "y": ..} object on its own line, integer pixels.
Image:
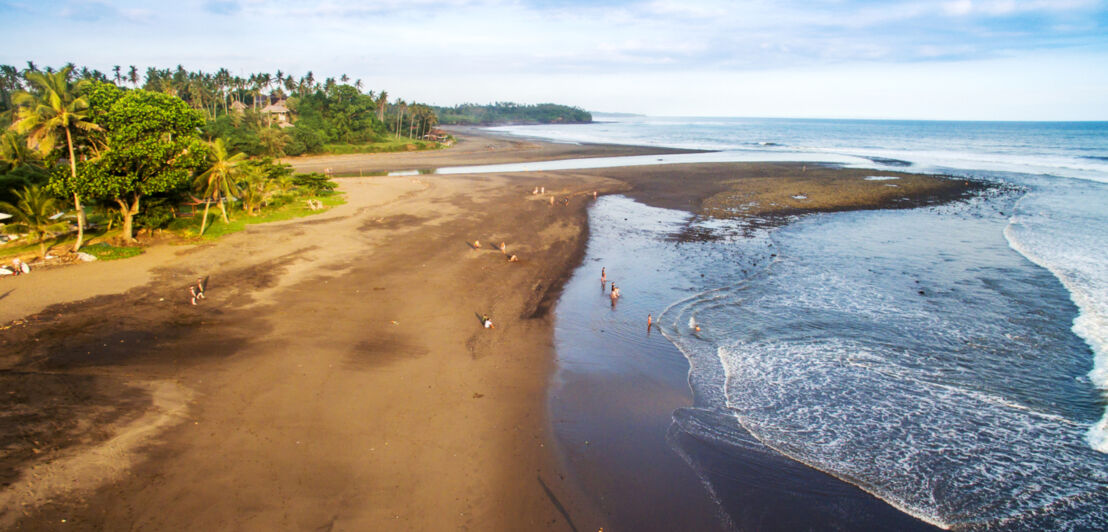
[{"x": 278, "y": 107}]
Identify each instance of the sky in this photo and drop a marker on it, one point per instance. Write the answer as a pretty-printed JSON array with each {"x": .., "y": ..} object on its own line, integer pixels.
[{"x": 896, "y": 59}]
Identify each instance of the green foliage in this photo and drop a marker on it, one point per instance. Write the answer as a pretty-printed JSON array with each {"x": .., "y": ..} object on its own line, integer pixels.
[
  {"x": 105, "y": 251},
  {"x": 152, "y": 144},
  {"x": 31, "y": 215},
  {"x": 288, "y": 211},
  {"x": 263, "y": 182},
  {"x": 156, "y": 212},
  {"x": 303, "y": 141},
  {"x": 151, "y": 147},
  {"x": 239, "y": 131},
  {"x": 512, "y": 113},
  {"x": 340, "y": 115},
  {"x": 19, "y": 166},
  {"x": 314, "y": 183}
]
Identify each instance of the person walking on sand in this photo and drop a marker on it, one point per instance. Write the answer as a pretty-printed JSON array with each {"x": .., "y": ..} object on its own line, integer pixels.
[
  {"x": 476, "y": 244},
  {"x": 487, "y": 321},
  {"x": 503, "y": 248},
  {"x": 200, "y": 286}
]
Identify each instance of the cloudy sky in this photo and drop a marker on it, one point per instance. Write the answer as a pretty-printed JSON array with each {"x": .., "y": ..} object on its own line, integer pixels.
[{"x": 930, "y": 59}]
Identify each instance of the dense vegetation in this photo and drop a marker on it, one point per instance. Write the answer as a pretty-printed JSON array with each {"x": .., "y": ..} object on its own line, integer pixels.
[
  {"x": 265, "y": 114},
  {"x": 147, "y": 158},
  {"x": 511, "y": 113}
]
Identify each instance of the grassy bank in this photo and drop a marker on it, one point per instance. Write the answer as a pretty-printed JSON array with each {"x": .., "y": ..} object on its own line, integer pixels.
[
  {"x": 184, "y": 227},
  {"x": 190, "y": 227}
]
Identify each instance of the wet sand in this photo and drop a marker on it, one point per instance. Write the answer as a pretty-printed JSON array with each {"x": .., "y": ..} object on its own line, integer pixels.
[{"x": 337, "y": 376}]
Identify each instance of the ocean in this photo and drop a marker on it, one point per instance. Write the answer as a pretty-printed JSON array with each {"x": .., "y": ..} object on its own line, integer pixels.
[{"x": 951, "y": 361}]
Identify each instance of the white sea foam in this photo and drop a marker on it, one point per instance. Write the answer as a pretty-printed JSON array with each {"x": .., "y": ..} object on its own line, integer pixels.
[
  {"x": 946, "y": 404},
  {"x": 961, "y": 404},
  {"x": 882, "y": 178},
  {"x": 1073, "y": 247}
]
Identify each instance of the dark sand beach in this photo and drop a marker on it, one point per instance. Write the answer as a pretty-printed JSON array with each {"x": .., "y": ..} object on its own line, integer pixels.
[{"x": 338, "y": 376}]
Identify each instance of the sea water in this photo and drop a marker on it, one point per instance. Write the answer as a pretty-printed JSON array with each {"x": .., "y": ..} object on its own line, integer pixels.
[{"x": 952, "y": 361}]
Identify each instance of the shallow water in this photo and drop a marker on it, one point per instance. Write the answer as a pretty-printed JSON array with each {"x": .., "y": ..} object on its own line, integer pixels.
[
  {"x": 951, "y": 361},
  {"x": 914, "y": 354}
]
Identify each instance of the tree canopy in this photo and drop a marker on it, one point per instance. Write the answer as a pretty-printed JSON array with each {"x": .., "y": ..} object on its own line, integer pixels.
[
  {"x": 512, "y": 113},
  {"x": 152, "y": 146}
]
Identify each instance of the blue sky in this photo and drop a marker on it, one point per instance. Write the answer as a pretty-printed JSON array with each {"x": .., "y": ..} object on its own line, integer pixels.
[{"x": 942, "y": 59}]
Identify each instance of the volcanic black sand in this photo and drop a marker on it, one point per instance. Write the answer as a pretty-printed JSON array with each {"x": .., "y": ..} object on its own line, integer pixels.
[{"x": 337, "y": 376}]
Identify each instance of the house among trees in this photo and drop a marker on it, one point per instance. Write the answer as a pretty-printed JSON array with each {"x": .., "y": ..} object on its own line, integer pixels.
[
  {"x": 436, "y": 135},
  {"x": 238, "y": 107},
  {"x": 277, "y": 111}
]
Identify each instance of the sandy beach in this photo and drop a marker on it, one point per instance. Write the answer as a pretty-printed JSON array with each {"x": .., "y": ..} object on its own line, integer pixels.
[{"x": 338, "y": 376}]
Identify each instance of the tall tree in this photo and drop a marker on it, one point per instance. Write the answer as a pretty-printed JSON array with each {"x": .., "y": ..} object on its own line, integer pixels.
[
  {"x": 55, "y": 108},
  {"x": 217, "y": 182},
  {"x": 153, "y": 146},
  {"x": 133, "y": 76},
  {"x": 382, "y": 102}
]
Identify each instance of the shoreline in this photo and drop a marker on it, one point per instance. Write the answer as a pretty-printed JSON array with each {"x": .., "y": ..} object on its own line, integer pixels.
[{"x": 265, "y": 389}]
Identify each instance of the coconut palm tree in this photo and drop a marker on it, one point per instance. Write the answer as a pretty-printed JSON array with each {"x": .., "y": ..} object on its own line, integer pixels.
[
  {"x": 55, "y": 108},
  {"x": 217, "y": 183},
  {"x": 34, "y": 213},
  {"x": 382, "y": 102}
]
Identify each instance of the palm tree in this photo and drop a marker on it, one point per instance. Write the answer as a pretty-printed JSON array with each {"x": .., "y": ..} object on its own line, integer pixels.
[
  {"x": 217, "y": 183},
  {"x": 133, "y": 76},
  {"x": 55, "y": 108},
  {"x": 382, "y": 102},
  {"x": 34, "y": 213}
]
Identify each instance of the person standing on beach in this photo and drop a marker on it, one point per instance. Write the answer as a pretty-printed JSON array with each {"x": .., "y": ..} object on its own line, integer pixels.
[{"x": 603, "y": 275}]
